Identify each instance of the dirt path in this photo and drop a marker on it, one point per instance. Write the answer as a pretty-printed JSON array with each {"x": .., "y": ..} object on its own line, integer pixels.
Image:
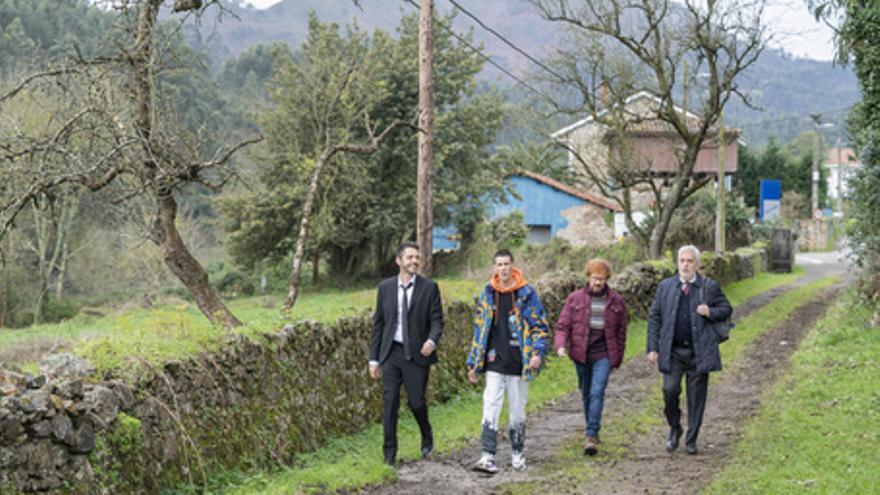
[{"x": 646, "y": 467}]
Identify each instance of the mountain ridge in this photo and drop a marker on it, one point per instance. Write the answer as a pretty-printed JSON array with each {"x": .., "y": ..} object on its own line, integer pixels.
[{"x": 788, "y": 88}]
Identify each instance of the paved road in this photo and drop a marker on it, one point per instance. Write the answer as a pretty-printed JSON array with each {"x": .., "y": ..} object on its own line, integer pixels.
[{"x": 826, "y": 263}]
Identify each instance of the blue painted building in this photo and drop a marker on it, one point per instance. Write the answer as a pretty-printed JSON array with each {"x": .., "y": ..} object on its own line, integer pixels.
[{"x": 550, "y": 209}]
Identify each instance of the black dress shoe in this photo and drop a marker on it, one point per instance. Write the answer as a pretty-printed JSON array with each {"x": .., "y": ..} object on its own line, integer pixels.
[
  {"x": 692, "y": 448},
  {"x": 390, "y": 457},
  {"x": 672, "y": 441},
  {"x": 427, "y": 448}
]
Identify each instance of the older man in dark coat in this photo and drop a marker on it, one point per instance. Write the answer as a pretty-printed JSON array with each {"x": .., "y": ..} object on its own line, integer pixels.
[{"x": 680, "y": 342}]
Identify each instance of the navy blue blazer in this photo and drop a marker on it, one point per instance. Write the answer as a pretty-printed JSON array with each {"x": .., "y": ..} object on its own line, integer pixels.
[{"x": 661, "y": 322}]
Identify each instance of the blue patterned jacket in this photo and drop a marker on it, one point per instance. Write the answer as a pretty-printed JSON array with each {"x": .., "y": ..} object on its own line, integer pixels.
[{"x": 531, "y": 323}]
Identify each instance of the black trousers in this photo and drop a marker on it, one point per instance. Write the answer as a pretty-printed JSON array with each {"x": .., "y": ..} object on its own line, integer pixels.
[
  {"x": 682, "y": 363},
  {"x": 398, "y": 370}
]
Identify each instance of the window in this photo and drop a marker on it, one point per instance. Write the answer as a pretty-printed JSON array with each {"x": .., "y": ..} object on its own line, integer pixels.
[{"x": 539, "y": 234}]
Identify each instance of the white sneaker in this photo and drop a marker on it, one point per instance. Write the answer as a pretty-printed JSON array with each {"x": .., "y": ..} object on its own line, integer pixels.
[
  {"x": 486, "y": 464},
  {"x": 518, "y": 461}
]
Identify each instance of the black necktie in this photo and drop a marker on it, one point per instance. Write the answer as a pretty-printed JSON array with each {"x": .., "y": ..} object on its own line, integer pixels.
[{"x": 404, "y": 306}]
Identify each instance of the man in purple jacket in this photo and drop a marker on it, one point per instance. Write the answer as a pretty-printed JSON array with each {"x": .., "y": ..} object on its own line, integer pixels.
[{"x": 592, "y": 331}]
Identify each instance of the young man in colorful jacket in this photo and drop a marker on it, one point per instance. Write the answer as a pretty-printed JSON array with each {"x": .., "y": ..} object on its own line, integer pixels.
[{"x": 509, "y": 345}]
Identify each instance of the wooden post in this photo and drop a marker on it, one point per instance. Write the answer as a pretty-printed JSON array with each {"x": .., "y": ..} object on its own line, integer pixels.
[
  {"x": 424, "y": 194},
  {"x": 721, "y": 215}
]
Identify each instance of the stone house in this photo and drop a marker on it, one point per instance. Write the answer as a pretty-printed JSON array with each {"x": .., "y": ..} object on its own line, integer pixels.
[
  {"x": 841, "y": 163},
  {"x": 653, "y": 146}
]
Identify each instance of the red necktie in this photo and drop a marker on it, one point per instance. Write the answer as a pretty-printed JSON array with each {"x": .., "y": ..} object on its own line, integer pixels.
[{"x": 687, "y": 288}]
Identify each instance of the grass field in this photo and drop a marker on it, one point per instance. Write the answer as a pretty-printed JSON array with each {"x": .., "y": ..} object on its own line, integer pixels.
[
  {"x": 818, "y": 428},
  {"x": 355, "y": 461},
  {"x": 179, "y": 330}
]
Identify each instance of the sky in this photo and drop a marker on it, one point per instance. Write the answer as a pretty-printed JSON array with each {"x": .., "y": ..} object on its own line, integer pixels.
[{"x": 794, "y": 28}]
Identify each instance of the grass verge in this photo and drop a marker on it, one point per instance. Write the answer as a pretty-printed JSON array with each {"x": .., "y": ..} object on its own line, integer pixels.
[
  {"x": 174, "y": 331},
  {"x": 817, "y": 430},
  {"x": 355, "y": 461}
]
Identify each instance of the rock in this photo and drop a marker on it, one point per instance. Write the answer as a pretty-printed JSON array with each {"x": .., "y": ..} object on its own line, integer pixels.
[
  {"x": 42, "y": 460},
  {"x": 62, "y": 427},
  {"x": 10, "y": 429},
  {"x": 102, "y": 403},
  {"x": 82, "y": 469},
  {"x": 8, "y": 459},
  {"x": 123, "y": 393},
  {"x": 41, "y": 429},
  {"x": 83, "y": 439},
  {"x": 72, "y": 389},
  {"x": 8, "y": 389},
  {"x": 57, "y": 402},
  {"x": 8, "y": 377},
  {"x": 56, "y": 366},
  {"x": 36, "y": 382},
  {"x": 35, "y": 401}
]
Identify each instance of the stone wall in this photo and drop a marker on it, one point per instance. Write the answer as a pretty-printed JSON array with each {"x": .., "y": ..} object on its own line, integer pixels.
[
  {"x": 814, "y": 235},
  {"x": 255, "y": 402},
  {"x": 587, "y": 225},
  {"x": 49, "y": 424}
]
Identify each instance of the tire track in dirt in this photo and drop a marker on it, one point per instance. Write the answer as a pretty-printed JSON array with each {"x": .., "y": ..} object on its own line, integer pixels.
[{"x": 551, "y": 428}]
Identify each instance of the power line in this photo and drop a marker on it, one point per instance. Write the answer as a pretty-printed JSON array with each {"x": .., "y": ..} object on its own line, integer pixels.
[
  {"x": 506, "y": 41},
  {"x": 481, "y": 54},
  {"x": 793, "y": 117}
]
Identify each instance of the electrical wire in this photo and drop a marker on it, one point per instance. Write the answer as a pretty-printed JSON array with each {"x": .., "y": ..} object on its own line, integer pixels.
[
  {"x": 483, "y": 55},
  {"x": 506, "y": 41}
]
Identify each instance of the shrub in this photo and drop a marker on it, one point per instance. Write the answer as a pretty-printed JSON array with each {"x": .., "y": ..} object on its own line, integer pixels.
[
  {"x": 694, "y": 222},
  {"x": 510, "y": 231},
  {"x": 59, "y": 309}
]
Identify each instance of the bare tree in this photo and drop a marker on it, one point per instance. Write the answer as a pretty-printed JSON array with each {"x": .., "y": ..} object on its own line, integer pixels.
[
  {"x": 118, "y": 134},
  {"x": 52, "y": 225},
  {"x": 620, "y": 48},
  {"x": 330, "y": 150}
]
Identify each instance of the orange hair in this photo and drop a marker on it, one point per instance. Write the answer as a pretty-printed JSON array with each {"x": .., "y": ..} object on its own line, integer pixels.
[{"x": 598, "y": 266}]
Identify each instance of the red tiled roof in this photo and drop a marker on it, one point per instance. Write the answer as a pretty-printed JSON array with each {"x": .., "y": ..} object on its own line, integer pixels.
[
  {"x": 843, "y": 154},
  {"x": 559, "y": 186}
]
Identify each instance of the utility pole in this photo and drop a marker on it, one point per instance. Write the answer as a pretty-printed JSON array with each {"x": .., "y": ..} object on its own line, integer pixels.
[
  {"x": 817, "y": 142},
  {"x": 424, "y": 189},
  {"x": 721, "y": 215},
  {"x": 814, "y": 203},
  {"x": 839, "y": 175}
]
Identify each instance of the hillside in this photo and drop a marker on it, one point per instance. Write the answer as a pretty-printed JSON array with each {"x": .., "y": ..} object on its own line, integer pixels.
[{"x": 787, "y": 89}]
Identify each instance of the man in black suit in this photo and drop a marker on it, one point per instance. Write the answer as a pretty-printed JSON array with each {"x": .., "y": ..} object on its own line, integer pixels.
[{"x": 407, "y": 327}]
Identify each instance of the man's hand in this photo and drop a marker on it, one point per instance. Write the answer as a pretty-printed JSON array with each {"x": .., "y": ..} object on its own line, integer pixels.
[
  {"x": 535, "y": 362},
  {"x": 374, "y": 371},
  {"x": 561, "y": 352},
  {"x": 652, "y": 357},
  {"x": 703, "y": 310},
  {"x": 428, "y": 347},
  {"x": 472, "y": 376}
]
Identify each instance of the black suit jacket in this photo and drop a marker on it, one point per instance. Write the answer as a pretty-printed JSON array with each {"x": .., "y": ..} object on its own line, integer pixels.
[{"x": 425, "y": 320}]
